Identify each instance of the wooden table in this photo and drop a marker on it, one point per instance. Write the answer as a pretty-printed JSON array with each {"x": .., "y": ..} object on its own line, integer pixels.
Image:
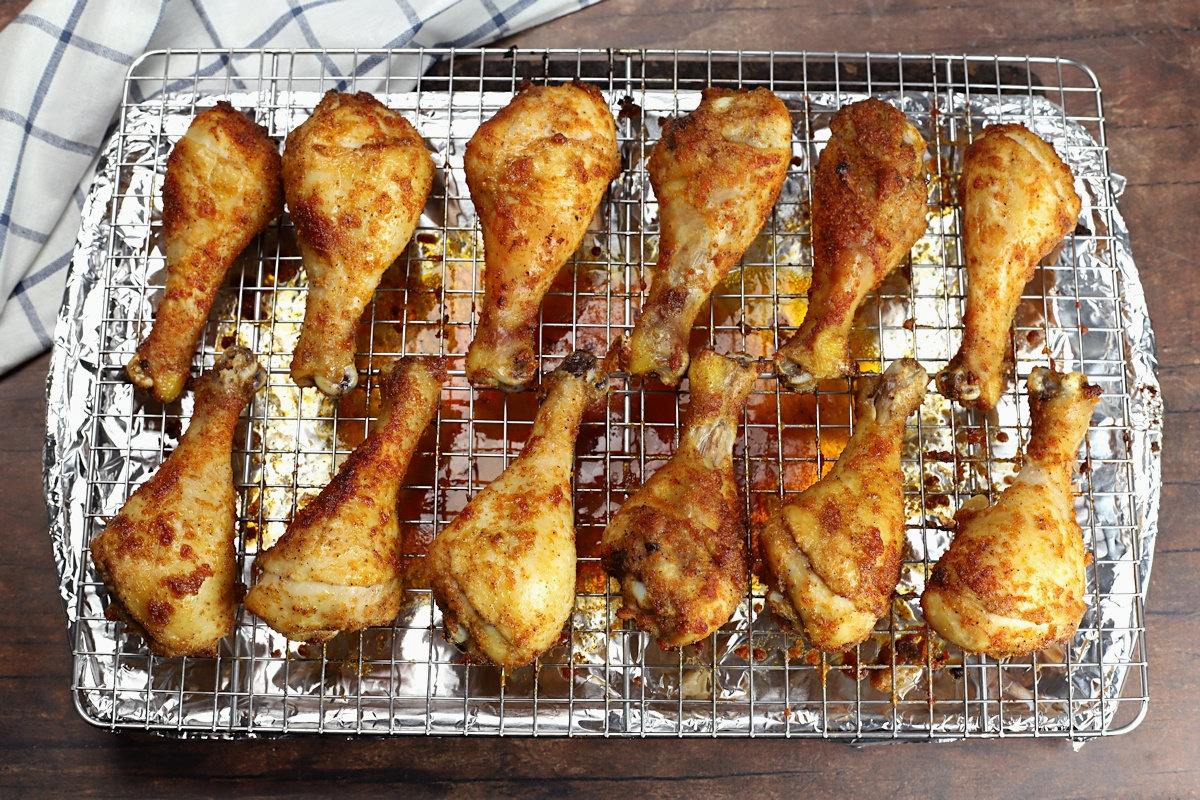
[{"x": 1147, "y": 56}]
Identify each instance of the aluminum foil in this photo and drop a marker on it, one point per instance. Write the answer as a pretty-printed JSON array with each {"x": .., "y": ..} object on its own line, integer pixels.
[{"x": 1085, "y": 309}]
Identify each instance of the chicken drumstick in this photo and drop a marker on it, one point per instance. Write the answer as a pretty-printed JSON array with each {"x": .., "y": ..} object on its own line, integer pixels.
[
  {"x": 868, "y": 211},
  {"x": 716, "y": 173},
  {"x": 835, "y": 550},
  {"x": 1013, "y": 579},
  {"x": 537, "y": 172},
  {"x": 678, "y": 545},
  {"x": 337, "y": 567},
  {"x": 503, "y": 572},
  {"x": 356, "y": 175},
  {"x": 221, "y": 189},
  {"x": 168, "y": 556},
  {"x": 1019, "y": 201}
]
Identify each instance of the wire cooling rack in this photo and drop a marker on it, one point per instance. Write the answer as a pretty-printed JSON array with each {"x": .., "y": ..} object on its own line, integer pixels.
[{"x": 604, "y": 678}]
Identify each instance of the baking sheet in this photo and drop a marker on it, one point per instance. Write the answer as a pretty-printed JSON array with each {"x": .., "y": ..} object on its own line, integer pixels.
[{"x": 1083, "y": 310}]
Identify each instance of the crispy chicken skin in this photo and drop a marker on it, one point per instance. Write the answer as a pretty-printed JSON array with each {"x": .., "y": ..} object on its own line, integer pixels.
[
  {"x": 868, "y": 210},
  {"x": 221, "y": 189},
  {"x": 337, "y": 568},
  {"x": 537, "y": 172},
  {"x": 356, "y": 175},
  {"x": 716, "y": 174},
  {"x": 168, "y": 556},
  {"x": 1019, "y": 201},
  {"x": 834, "y": 551},
  {"x": 678, "y": 545},
  {"x": 503, "y": 572},
  {"x": 1013, "y": 579}
]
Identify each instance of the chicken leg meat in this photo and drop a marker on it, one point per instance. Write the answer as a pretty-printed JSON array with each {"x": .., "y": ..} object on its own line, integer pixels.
[
  {"x": 168, "y": 556},
  {"x": 716, "y": 173},
  {"x": 868, "y": 210},
  {"x": 678, "y": 545},
  {"x": 337, "y": 567},
  {"x": 537, "y": 172},
  {"x": 1019, "y": 201},
  {"x": 356, "y": 175},
  {"x": 503, "y": 572},
  {"x": 221, "y": 189},
  {"x": 1013, "y": 579},
  {"x": 834, "y": 551}
]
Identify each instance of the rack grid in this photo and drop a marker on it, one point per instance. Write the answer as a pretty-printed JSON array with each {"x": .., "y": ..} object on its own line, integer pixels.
[{"x": 604, "y": 678}]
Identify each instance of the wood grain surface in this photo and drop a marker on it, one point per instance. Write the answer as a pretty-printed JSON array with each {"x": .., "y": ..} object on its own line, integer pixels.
[{"x": 1147, "y": 58}]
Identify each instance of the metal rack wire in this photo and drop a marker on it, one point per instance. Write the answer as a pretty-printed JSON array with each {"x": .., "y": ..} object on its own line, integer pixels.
[{"x": 749, "y": 679}]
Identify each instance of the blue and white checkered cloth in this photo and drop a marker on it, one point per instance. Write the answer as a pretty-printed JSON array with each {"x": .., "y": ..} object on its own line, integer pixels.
[{"x": 62, "y": 68}]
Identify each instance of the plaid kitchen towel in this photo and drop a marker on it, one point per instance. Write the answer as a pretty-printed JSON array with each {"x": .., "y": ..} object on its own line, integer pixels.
[{"x": 62, "y": 69}]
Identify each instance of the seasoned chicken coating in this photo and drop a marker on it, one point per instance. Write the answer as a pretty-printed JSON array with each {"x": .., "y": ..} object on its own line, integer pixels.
[
  {"x": 337, "y": 568},
  {"x": 1019, "y": 201},
  {"x": 1013, "y": 579},
  {"x": 168, "y": 556},
  {"x": 221, "y": 189},
  {"x": 356, "y": 175},
  {"x": 503, "y": 572},
  {"x": 834, "y": 551},
  {"x": 868, "y": 210},
  {"x": 678, "y": 545},
  {"x": 537, "y": 172},
  {"x": 716, "y": 174}
]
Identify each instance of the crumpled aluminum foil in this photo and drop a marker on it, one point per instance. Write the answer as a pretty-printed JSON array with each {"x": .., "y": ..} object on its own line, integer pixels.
[{"x": 749, "y": 679}]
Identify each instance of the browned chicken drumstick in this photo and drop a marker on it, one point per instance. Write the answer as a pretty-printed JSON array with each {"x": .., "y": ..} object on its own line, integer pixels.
[
  {"x": 678, "y": 545},
  {"x": 716, "y": 173},
  {"x": 503, "y": 572},
  {"x": 356, "y": 175},
  {"x": 868, "y": 210},
  {"x": 168, "y": 556},
  {"x": 221, "y": 189},
  {"x": 834, "y": 551},
  {"x": 1013, "y": 579},
  {"x": 1019, "y": 201},
  {"x": 537, "y": 172},
  {"x": 337, "y": 568}
]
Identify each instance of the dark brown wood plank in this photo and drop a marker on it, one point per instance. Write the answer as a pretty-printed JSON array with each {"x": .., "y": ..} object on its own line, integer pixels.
[
  {"x": 9, "y": 9},
  {"x": 1147, "y": 58}
]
